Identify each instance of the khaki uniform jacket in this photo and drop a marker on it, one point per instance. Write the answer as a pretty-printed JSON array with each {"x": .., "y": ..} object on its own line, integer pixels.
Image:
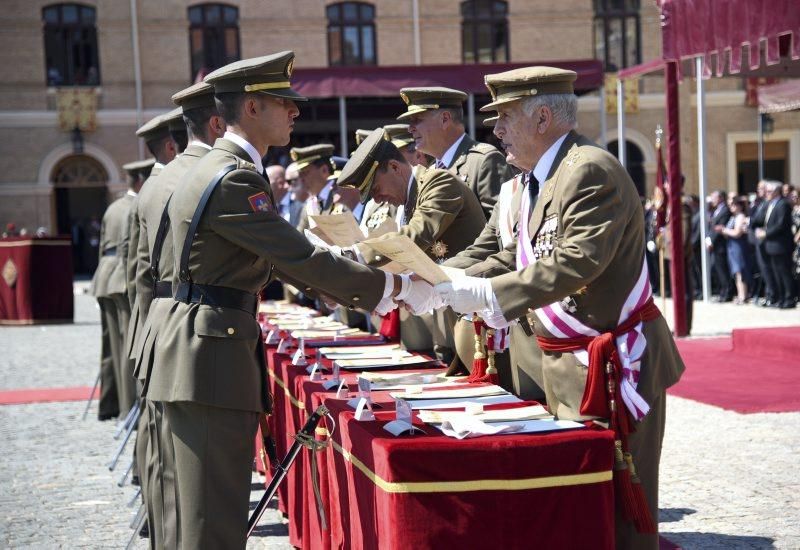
[
  {"x": 597, "y": 255},
  {"x": 213, "y": 355},
  {"x": 151, "y": 203},
  {"x": 131, "y": 249},
  {"x": 109, "y": 277},
  {"x": 483, "y": 168},
  {"x": 375, "y": 213},
  {"x": 445, "y": 211}
]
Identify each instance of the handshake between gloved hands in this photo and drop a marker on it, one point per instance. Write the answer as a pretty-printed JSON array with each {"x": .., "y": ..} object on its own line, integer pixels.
[{"x": 416, "y": 295}]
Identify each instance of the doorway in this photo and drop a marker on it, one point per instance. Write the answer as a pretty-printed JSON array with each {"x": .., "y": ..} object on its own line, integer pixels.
[
  {"x": 634, "y": 158},
  {"x": 80, "y": 197},
  {"x": 776, "y": 164}
]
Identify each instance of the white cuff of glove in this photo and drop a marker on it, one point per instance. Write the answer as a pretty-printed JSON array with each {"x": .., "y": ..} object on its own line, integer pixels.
[
  {"x": 388, "y": 286},
  {"x": 467, "y": 294}
]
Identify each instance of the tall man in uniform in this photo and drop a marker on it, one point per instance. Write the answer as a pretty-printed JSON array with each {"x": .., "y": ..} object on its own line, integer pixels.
[
  {"x": 435, "y": 118},
  {"x": 154, "y": 268},
  {"x": 228, "y": 240},
  {"x": 579, "y": 265},
  {"x": 109, "y": 280}
]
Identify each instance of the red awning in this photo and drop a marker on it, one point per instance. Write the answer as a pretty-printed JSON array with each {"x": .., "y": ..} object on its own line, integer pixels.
[
  {"x": 730, "y": 36},
  {"x": 777, "y": 98},
  {"x": 382, "y": 81}
]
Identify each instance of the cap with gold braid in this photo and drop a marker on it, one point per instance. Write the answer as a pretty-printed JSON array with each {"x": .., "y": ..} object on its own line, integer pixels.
[
  {"x": 268, "y": 75},
  {"x": 419, "y": 100},
  {"x": 399, "y": 135},
  {"x": 359, "y": 172},
  {"x": 303, "y": 156},
  {"x": 155, "y": 128},
  {"x": 361, "y": 134},
  {"x": 196, "y": 96},
  {"x": 527, "y": 82}
]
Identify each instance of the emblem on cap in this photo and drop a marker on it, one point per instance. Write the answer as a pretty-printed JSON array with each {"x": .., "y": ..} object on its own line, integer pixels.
[{"x": 289, "y": 67}]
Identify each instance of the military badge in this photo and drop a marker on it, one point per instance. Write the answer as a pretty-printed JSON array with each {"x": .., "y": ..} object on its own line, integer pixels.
[
  {"x": 259, "y": 202},
  {"x": 439, "y": 249}
]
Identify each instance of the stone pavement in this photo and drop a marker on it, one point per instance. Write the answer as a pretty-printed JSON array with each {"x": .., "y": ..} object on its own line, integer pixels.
[{"x": 728, "y": 480}]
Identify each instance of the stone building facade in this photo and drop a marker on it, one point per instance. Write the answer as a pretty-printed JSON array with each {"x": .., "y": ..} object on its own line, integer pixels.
[{"x": 46, "y": 180}]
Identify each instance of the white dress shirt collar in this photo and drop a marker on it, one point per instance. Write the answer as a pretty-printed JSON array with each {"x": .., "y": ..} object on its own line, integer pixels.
[
  {"x": 542, "y": 168},
  {"x": 323, "y": 194},
  {"x": 200, "y": 144},
  {"x": 248, "y": 147},
  {"x": 447, "y": 158}
]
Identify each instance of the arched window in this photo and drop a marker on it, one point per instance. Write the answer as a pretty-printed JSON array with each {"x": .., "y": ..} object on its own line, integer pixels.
[
  {"x": 213, "y": 37},
  {"x": 70, "y": 45},
  {"x": 617, "y": 40},
  {"x": 484, "y": 31},
  {"x": 351, "y": 34}
]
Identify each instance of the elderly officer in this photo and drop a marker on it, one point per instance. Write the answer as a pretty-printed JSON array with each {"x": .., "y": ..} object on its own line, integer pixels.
[
  {"x": 578, "y": 273},
  {"x": 154, "y": 260},
  {"x": 436, "y": 120},
  {"x": 228, "y": 239},
  {"x": 441, "y": 215}
]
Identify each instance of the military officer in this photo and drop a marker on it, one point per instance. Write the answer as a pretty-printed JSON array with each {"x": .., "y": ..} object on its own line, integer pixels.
[
  {"x": 578, "y": 271},
  {"x": 208, "y": 365},
  {"x": 436, "y": 120},
  {"x": 108, "y": 280},
  {"x": 154, "y": 257},
  {"x": 441, "y": 215},
  {"x": 315, "y": 167}
]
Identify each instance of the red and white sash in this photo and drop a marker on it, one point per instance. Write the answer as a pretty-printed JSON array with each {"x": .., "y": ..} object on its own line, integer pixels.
[{"x": 561, "y": 324}]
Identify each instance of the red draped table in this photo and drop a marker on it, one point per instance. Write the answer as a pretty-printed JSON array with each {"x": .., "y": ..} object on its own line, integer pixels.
[
  {"x": 36, "y": 281},
  {"x": 428, "y": 491}
]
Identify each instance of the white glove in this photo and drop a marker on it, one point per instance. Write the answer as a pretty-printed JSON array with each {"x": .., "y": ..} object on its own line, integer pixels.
[
  {"x": 466, "y": 294},
  {"x": 386, "y": 305},
  {"x": 319, "y": 243},
  {"x": 417, "y": 295},
  {"x": 495, "y": 319}
]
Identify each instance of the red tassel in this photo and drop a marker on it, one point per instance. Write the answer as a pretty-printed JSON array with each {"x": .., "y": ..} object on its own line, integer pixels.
[
  {"x": 490, "y": 373},
  {"x": 629, "y": 493},
  {"x": 479, "y": 362},
  {"x": 390, "y": 326}
]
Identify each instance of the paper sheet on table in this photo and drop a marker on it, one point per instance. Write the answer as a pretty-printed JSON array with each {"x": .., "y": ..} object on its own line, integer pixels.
[
  {"x": 381, "y": 355},
  {"x": 469, "y": 427},
  {"x": 402, "y": 250},
  {"x": 418, "y": 404},
  {"x": 383, "y": 363},
  {"x": 355, "y": 350},
  {"x": 531, "y": 426},
  {"x": 339, "y": 229},
  {"x": 327, "y": 333},
  {"x": 532, "y": 412},
  {"x": 401, "y": 381},
  {"x": 466, "y": 391}
]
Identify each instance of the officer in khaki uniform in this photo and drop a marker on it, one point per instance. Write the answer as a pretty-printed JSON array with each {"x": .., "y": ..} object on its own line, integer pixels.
[
  {"x": 436, "y": 121},
  {"x": 154, "y": 257},
  {"x": 441, "y": 215},
  {"x": 581, "y": 252},
  {"x": 228, "y": 239},
  {"x": 315, "y": 167},
  {"x": 107, "y": 282}
]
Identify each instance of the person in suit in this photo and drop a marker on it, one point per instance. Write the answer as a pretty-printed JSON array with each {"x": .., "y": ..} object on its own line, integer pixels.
[
  {"x": 435, "y": 119},
  {"x": 154, "y": 259},
  {"x": 520, "y": 368},
  {"x": 228, "y": 241},
  {"x": 716, "y": 243},
  {"x": 441, "y": 215},
  {"x": 757, "y": 218},
  {"x": 578, "y": 270},
  {"x": 779, "y": 243}
]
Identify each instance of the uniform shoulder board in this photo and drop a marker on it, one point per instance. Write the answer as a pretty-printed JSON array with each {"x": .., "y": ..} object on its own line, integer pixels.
[
  {"x": 573, "y": 157},
  {"x": 242, "y": 164},
  {"x": 483, "y": 148}
]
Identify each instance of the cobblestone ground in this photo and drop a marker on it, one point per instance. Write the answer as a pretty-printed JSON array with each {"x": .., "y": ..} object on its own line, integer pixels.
[{"x": 728, "y": 480}]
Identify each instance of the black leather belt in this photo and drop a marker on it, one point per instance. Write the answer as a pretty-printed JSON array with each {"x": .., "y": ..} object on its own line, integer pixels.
[
  {"x": 217, "y": 296},
  {"x": 110, "y": 251},
  {"x": 163, "y": 289}
]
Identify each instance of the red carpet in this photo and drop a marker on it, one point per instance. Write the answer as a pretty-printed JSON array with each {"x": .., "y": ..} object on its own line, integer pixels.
[
  {"x": 753, "y": 370},
  {"x": 44, "y": 395}
]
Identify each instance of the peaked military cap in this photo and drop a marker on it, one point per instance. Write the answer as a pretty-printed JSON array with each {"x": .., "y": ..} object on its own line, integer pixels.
[
  {"x": 268, "y": 75},
  {"x": 338, "y": 164},
  {"x": 155, "y": 128},
  {"x": 138, "y": 167},
  {"x": 491, "y": 121},
  {"x": 174, "y": 120},
  {"x": 195, "y": 96},
  {"x": 399, "y": 135},
  {"x": 527, "y": 82},
  {"x": 359, "y": 172},
  {"x": 424, "y": 99},
  {"x": 361, "y": 134},
  {"x": 303, "y": 156}
]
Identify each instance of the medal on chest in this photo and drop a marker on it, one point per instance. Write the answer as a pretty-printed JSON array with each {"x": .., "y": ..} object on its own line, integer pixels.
[{"x": 544, "y": 243}]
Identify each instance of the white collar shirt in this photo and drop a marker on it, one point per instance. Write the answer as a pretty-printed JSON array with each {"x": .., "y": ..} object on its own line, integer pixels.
[
  {"x": 447, "y": 158},
  {"x": 248, "y": 147},
  {"x": 542, "y": 168}
]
